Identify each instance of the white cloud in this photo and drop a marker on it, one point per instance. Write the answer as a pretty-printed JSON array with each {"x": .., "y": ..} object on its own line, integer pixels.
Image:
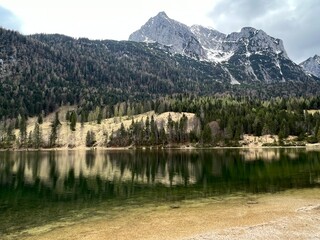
[{"x": 99, "y": 19}]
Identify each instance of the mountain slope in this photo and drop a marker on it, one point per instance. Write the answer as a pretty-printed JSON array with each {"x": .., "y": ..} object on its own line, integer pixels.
[
  {"x": 312, "y": 65},
  {"x": 246, "y": 56},
  {"x": 40, "y": 73}
]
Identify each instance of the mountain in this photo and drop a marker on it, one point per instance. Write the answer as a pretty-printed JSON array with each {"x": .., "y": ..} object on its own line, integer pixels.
[
  {"x": 171, "y": 33},
  {"x": 312, "y": 65},
  {"x": 246, "y": 56},
  {"x": 42, "y": 72},
  {"x": 39, "y": 73}
]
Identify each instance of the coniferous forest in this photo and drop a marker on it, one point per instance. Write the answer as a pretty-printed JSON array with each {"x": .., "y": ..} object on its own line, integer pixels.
[
  {"x": 218, "y": 121},
  {"x": 223, "y": 121},
  {"x": 42, "y": 73}
]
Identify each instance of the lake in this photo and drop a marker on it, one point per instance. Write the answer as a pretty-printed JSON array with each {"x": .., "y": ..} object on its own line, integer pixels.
[{"x": 43, "y": 190}]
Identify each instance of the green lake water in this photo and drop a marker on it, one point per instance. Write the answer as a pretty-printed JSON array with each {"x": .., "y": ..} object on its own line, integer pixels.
[{"x": 57, "y": 188}]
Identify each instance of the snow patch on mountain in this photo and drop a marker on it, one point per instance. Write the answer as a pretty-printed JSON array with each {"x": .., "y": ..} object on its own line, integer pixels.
[
  {"x": 218, "y": 56},
  {"x": 205, "y": 43},
  {"x": 244, "y": 56},
  {"x": 233, "y": 81}
]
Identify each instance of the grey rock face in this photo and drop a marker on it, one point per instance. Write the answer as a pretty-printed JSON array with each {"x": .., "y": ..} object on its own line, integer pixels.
[
  {"x": 256, "y": 41},
  {"x": 248, "y": 55},
  {"x": 208, "y": 38},
  {"x": 312, "y": 65},
  {"x": 206, "y": 43},
  {"x": 169, "y": 32}
]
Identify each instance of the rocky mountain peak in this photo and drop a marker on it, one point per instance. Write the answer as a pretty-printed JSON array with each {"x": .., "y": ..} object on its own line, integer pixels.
[
  {"x": 248, "y": 55},
  {"x": 312, "y": 65},
  {"x": 162, "y": 15},
  {"x": 316, "y": 58},
  {"x": 206, "y": 43},
  {"x": 248, "y": 31},
  {"x": 171, "y": 33},
  {"x": 256, "y": 41}
]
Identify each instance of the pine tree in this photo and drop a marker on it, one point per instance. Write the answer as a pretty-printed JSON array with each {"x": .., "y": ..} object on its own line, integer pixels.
[
  {"x": 90, "y": 138},
  {"x": 239, "y": 132},
  {"x": 23, "y": 131},
  {"x": 83, "y": 118},
  {"x": 99, "y": 118},
  {"x": 284, "y": 131},
  {"x": 183, "y": 125},
  {"x": 170, "y": 126},
  {"x": 17, "y": 122},
  {"x": 10, "y": 136},
  {"x": 54, "y": 130},
  {"x": 207, "y": 134},
  {"x": 123, "y": 132},
  {"x": 147, "y": 130},
  {"x": 153, "y": 132},
  {"x": 40, "y": 118},
  {"x": 162, "y": 136},
  {"x": 73, "y": 121},
  {"x": 37, "y": 136},
  {"x": 30, "y": 140}
]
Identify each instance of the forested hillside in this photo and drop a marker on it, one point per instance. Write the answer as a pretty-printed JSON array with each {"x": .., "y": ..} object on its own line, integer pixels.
[
  {"x": 43, "y": 72},
  {"x": 171, "y": 121},
  {"x": 97, "y": 80},
  {"x": 40, "y": 73},
  {"x": 224, "y": 121}
]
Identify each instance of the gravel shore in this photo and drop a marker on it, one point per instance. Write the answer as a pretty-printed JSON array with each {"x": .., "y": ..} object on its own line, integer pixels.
[
  {"x": 304, "y": 225},
  {"x": 287, "y": 215}
]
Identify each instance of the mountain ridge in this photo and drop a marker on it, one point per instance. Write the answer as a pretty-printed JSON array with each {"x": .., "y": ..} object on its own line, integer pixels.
[
  {"x": 209, "y": 38},
  {"x": 312, "y": 65},
  {"x": 41, "y": 72},
  {"x": 248, "y": 55}
]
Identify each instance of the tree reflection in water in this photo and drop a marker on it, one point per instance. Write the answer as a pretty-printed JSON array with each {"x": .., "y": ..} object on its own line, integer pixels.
[
  {"x": 41, "y": 187},
  {"x": 112, "y": 174}
]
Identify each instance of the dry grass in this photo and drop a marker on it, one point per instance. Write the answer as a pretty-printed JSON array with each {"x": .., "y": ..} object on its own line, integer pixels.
[{"x": 77, "y": 138}]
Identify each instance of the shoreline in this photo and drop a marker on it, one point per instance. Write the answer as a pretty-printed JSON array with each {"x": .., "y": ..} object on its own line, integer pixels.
[
  {"x": 98, "y": 148},
  {"x": 264, "y": 216}
]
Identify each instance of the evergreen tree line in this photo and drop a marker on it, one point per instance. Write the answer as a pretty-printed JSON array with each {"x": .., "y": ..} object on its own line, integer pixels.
[
  {"x": 151, "y": 133},
  {"x": 224, "y": 121},
  {"x": 220, "y": 121},
  {"x": 33, "y": 139}
]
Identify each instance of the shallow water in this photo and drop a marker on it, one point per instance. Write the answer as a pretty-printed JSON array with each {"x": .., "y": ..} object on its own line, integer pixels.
[{"x": 44, "y": 190}]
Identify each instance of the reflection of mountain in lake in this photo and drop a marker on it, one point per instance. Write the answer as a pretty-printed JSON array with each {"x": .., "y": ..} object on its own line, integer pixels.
[{"x": 126, "y": 173}]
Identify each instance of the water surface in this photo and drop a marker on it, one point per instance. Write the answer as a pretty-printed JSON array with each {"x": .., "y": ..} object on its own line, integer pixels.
[{"x": 56, "y": 188}]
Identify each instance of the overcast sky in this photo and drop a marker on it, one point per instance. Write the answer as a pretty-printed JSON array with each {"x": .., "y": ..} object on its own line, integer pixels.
[{"x": 296, "y": 22}]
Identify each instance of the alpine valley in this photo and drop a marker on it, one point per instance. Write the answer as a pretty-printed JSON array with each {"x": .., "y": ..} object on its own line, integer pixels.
[
  {"x": 178, "y": 133},
  {"x": 41, "y": 72}
]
